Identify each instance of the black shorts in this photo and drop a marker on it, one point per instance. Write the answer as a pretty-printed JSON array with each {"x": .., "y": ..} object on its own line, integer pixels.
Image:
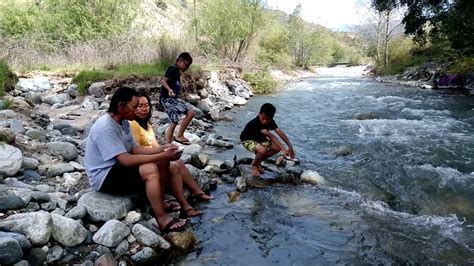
[{"x": 124, "y": 180}]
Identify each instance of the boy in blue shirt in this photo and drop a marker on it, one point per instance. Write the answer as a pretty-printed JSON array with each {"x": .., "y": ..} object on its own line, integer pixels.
[
  {"x": 170, "y": 100},
  {"x": 256, "y": 137}
]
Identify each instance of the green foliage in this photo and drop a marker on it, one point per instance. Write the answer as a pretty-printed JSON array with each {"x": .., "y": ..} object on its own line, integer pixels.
[
  {"x": 227, "y": 27},
  {"x": 7, "y": 78},
  {"x": 394, "y": 68},
  {"x": 66, "y": 21},
  {"x": 262, "y": 82},
  {"x": 462, "y": 65}
]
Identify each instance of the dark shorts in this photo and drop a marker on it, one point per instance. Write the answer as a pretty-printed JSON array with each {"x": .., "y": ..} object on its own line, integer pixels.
[
  {"x": 124, "y": 180},
  {"x": 174, "y": 107}
]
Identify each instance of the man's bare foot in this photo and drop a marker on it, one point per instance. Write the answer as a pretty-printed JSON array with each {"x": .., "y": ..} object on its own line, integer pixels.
[{"x": 256, "y": 171}]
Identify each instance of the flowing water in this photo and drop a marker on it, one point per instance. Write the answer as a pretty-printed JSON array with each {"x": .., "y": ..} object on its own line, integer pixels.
[{"x": 399, "y": 187}]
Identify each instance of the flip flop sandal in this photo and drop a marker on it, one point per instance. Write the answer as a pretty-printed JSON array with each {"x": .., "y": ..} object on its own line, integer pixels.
[
  {"x": 187, "y": 213},
  {"x": 168, "y": 228},
  {"x": 199, "y": 197},
  {"x": 184, "y": 142}
]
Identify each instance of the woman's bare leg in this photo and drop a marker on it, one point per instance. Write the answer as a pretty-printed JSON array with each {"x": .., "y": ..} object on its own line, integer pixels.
[{"x": 149, "y": 173}]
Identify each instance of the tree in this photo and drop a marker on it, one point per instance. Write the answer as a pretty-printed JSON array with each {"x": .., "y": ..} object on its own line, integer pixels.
[{"x": 228, "y": 27}]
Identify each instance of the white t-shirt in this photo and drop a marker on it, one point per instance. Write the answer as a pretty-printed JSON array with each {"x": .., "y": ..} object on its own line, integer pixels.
[{"x": 105, "y": 141}]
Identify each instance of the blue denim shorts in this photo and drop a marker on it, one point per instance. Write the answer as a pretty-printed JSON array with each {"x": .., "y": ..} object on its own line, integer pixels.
[{"x": 174, "y": 107}]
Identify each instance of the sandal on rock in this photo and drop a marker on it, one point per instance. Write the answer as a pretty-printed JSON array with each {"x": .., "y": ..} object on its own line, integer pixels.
[
  {"x": 191, "y": 212},
  {"x": 202, "y": 197},
  {"x": 168, "y": 226},
  {"x": 184, "y": 142}
]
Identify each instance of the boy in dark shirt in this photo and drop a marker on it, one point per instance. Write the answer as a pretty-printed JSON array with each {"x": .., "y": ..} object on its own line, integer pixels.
[
  {"x": 169, "y": 98},
  {"x": 256, "y": 137}
]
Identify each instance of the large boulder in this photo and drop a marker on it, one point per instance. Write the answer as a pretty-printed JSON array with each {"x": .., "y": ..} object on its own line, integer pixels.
[
  {"x": 67, "y": 231},
  {"x": 10, "y": 160},
  {"x": 10, "y": 251},
  {"x": 111, "y": 233},
  {"x": 67, "y": 150},
  {"x": 104, "y": 207},
  {"x": 35, "y": 225}
]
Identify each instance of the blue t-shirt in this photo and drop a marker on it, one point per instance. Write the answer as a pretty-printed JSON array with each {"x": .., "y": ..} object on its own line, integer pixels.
[{"x": 105, "y": 141}]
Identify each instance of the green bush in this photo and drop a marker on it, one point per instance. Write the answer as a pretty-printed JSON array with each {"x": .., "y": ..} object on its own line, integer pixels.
[
  {"x": 7, "y": 78},
  {"x": 262, "y": 82}
]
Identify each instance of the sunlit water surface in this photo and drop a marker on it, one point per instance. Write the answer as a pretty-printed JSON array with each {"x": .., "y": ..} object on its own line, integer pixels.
[{"x": 405, "y": 194}]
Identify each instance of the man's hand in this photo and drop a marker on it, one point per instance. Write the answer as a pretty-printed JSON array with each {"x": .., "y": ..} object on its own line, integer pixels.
[{"x": 171, "y": 93}]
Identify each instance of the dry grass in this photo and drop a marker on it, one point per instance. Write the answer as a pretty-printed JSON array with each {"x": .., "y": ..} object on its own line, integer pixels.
[{"x": 37, "y": 54}]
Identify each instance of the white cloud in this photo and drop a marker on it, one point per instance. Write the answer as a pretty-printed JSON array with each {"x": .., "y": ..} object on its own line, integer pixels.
[{"x": 330, "y": 13}]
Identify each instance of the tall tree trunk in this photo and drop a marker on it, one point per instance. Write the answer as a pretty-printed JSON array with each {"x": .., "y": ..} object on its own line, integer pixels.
[
  {"x": 387, "y": 37},
  {"x": 379, "y": 37}
]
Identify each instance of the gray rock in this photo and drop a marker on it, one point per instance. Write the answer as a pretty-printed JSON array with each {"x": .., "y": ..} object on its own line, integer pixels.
[
  {"x": 312, "y": 177},
  {"x": 35, "y": 84},
  {"x": 147, "y": 237},
  {"x": 67, "y": 150},
  {"x": 193, "y": 98},
  {"x": 213, "y": 141},
  {"x": 204, "y": 93},
  {"x": 239, "y": 101},
  {"x": 90, "y": 105},
  {"x": 53, "y": 99},
  {"x": 14, "y": 182},
  {"x": 77, "y": 166},
  {"x": 67, "y": 231},
  {"x": 122, "y": 248},
  {"x": 58, "y": 106},
  {"x": 32, "y": 207},
  {"x": 10, "y": 202},
  {"x": 37, "y": 135},
  {"x": 97, "y": 89},
  {"x": 192, "y": 149},
  {"x": 241, "y": 184},
  {"x": 111, "y": 233},
  {"x": 21, "y": 239},
  {"x": 214, "y": 166},
  {"x": 16, "y": 126},
  {"x": 145, "y": 256},
  {"x": 35, "y": 225},
  {"x": 66, "y": 129},
  {"x": 59, "y": 169},
  {"x": 203, "y": 106},
  {"x": 10, "y": 251},
  {"x": 34, "y": 97},
  {"x": 39, "y": 196},
  {"x": 78, "y": 212},
  {"x": 22, "y": 263},
  {"x": 48, "y": 206},
  {"x": 37, "y": 256},
  {"x": 31, "y": 175},
  {"x": 44, "y": 188},
  {"x": 29, "y": 163},
  {"x": 10, "y": 160},
  {"x": 72, "y": 90},
  {"x": 72, "y": 179},
  {"x": 133, "y": 217},
  {"x": 104, "y": 207},
  {"x": 54, "y": 254},
  {"x": 106, "y": 260}
]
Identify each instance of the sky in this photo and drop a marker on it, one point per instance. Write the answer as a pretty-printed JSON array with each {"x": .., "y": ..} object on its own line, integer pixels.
[{"x": 334, "y": 14}]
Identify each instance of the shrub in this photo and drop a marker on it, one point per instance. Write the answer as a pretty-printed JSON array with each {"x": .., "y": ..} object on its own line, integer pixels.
[
  {"x": 261, "y": 81},
  {"x": 7, "y": 78}
]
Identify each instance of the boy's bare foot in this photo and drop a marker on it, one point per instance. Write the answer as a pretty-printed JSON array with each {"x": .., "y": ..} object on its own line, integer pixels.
[
  {"x": 256, "y": 171},
  {"x": 279, "y": 161}
]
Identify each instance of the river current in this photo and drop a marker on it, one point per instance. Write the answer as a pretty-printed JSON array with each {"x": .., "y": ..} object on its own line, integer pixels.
[{"x": 399, "y": 186}]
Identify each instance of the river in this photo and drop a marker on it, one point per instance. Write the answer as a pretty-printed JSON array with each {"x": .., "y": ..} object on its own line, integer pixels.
[{"x": 402, "y": 192}]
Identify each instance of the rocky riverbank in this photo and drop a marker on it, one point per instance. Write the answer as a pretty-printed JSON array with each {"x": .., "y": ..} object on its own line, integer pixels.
[
  {"x": 48, "y": 212},
  {"x": 432, "y": 75}
]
